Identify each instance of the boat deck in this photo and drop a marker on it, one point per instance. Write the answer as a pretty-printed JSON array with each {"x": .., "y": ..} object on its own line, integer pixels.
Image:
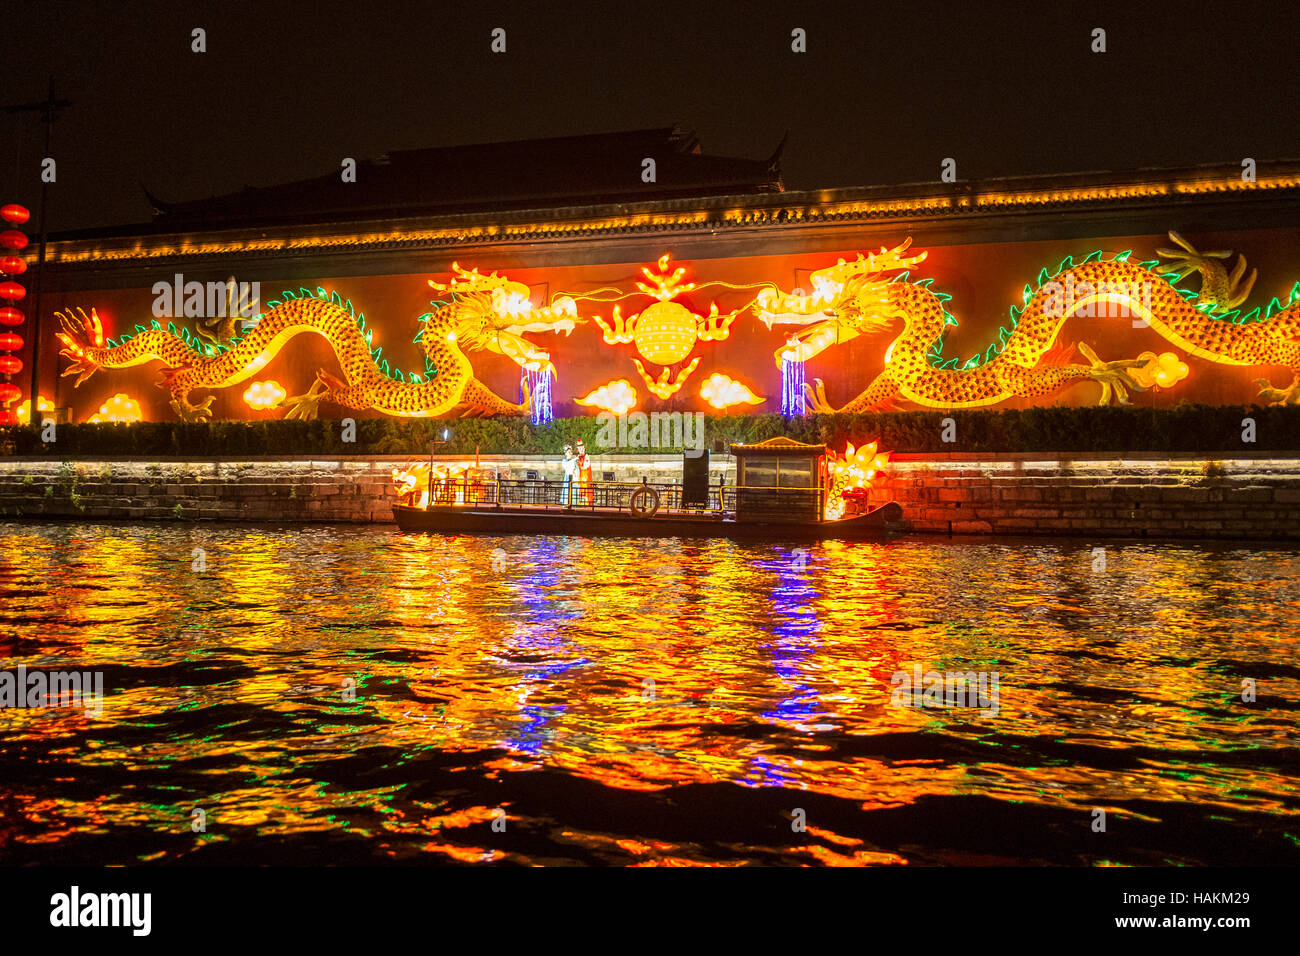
[{"x": 619, "y": 523}]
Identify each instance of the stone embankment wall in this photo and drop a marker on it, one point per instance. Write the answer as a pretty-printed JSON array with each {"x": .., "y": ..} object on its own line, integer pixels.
[
  {"x": 326, "y": 490},
  {"x": 1011, "y": 494},
  {"x": 1158, "y": 497}
]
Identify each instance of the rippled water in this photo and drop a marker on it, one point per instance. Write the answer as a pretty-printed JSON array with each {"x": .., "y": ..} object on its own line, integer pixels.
[{"x": 644, "y": 702}]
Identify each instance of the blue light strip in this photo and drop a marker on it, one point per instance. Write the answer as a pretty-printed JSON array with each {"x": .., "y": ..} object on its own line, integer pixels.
[
  {"x": 792, "y": 396},
  {"x": 539, "y": 383}
]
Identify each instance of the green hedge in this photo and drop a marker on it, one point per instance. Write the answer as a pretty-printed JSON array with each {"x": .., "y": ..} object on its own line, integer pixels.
[{"x": 1187, "y": 428}]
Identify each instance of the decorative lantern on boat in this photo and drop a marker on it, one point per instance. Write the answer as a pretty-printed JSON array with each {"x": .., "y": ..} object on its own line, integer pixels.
[{"x": 851, "y": 476}]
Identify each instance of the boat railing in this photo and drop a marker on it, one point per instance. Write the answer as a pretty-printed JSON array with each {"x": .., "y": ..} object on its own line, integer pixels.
[{"x": 722, "y": 499}]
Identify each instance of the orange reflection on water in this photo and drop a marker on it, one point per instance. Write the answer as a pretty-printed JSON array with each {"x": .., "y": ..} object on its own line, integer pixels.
[{"x": 403, "y": 690}]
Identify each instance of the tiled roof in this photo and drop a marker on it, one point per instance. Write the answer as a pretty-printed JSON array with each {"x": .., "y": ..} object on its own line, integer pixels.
[
  {"x": 1125, "y": 197},
  {"x": 604, "y": 167}
]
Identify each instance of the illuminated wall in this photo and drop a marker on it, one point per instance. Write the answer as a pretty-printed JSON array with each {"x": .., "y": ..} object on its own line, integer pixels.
[{"x": 701, "y": 329}]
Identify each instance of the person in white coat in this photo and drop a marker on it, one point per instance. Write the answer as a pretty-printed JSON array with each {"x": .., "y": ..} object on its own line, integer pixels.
[{"x": 570, "y": 466}]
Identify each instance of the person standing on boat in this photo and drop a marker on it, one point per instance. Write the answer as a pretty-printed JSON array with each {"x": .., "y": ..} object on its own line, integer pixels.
[
  {"x": 584, "y": 473},
  {"x": 570, "y": 466}
]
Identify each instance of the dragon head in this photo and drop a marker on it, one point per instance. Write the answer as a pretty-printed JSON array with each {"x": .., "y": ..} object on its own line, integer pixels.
[
  {"x": 493, "y": 312},
  {"x": 83, "y": 342},
  {"x": 855, "y": 291}
]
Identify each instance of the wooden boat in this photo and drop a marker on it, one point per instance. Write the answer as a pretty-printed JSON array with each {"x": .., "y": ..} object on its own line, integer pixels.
[
  {"x": 781, "y": 494},
  {"x": 619, "y": 523}
]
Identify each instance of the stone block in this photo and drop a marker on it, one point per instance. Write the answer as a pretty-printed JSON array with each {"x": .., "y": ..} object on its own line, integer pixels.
[
  {"x": 1186, "y": 494},
  {"x": 1015, "y": 523},
  {"x": 1036, "y": 513}
]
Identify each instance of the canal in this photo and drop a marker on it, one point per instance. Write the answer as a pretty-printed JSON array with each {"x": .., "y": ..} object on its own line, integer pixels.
[{"x": 351, "y": 695}]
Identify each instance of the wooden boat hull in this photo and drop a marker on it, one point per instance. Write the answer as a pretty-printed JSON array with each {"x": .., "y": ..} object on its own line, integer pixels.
[{"x": 881, "y": 522}]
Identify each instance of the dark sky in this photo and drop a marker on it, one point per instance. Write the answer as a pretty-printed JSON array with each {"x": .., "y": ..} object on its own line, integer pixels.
[{"x": 884, "y": 93}]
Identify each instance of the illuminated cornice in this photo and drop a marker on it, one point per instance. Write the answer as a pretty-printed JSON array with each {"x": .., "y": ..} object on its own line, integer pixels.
[{"x": 857, "y": 205}]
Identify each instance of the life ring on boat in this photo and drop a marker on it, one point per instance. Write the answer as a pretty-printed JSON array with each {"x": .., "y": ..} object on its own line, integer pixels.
[{"x": 644, "y": 502}]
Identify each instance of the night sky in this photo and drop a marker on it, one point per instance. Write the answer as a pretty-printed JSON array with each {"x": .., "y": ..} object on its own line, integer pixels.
[{"x": 884, "y": 93}]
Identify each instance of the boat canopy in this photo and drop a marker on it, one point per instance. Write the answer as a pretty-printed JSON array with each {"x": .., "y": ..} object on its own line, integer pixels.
[{"x": 777, "y": 447}]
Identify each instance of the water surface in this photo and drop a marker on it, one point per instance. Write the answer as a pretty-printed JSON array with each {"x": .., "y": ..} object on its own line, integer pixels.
[{"x": 675, "y": 702}]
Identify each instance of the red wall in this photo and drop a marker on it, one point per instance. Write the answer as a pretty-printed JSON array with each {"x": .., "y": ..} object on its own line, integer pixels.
[{"x": 984, "y": 281}]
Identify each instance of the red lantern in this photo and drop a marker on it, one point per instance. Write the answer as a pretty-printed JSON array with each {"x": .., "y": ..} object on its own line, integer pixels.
[
  {"x": 13, "y": 265},
  {"x": 12, "y": 291},
  {"x": 11, "y": 316},
  {"x": 10, "y": 342},
  {"x": 12, "y": 212},
  {"x": 13, "y": 239},
  {"x": 9, "y": 392},
  {"x": 9, "y": 365}
]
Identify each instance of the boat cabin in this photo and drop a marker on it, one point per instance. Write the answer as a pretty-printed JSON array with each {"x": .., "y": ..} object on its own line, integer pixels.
[{"x": 780, "y": 481}]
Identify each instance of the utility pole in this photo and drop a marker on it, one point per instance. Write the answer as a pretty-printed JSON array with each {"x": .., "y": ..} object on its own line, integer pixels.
[{"x": 49, "y": 109}]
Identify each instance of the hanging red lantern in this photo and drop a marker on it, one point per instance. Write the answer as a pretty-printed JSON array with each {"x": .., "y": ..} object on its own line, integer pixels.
[
  {"x": 12, "y": 291},
  {"x": 13, "y": 239},
  {"x": 13, "y": 265},
  {"x": 10, "y": 365},
  {"x": 9, "y": 392},
  {"x": 9, "y": 342},
  {"x": 12, "y": 212},
  {"x": 11, "y": 316}
]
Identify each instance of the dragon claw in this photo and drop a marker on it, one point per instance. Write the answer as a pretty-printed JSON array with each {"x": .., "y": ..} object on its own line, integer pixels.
[
  {"x": 306, "y": 407},
  {"x": 1116, "y": 382},
  {"x": 201, "y": 412},
  {"x": 218, "y": 331},
  {"x": 1219, "y": 289},
  {"x": 1280, "y": 396},
  {"x": 815, "y": 398}
]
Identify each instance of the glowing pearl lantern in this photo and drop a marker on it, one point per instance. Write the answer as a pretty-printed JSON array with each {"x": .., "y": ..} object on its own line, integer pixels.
[
  {"x": 13, "y": 265},
  {"x": 665, "y": 333},
  {"x": 13, "y": 239}
]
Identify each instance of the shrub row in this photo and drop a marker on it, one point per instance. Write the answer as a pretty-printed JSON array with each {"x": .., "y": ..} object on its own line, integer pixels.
[{"x": 1184, "y": 428}]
